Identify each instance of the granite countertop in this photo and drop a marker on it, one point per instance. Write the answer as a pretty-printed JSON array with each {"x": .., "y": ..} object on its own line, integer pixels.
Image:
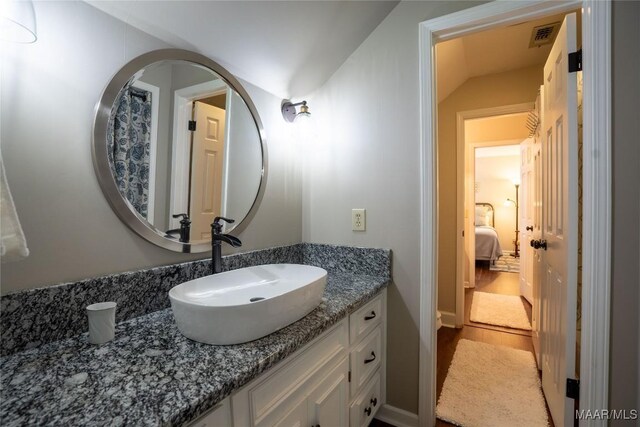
[{"x": 151, "y": 374}]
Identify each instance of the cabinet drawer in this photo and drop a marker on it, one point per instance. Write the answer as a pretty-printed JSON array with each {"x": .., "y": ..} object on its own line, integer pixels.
[
  {"x": 365, "y": 319},
  {"x": 365, "y": 359},
  {"x": 273, "y": 394},
  {"x": 367, "y": 403},
  {"x": 219, "y": 416}
]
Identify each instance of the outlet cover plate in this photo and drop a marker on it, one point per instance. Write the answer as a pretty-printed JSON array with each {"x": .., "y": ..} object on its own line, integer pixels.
[{"x": 358, "y": 219}]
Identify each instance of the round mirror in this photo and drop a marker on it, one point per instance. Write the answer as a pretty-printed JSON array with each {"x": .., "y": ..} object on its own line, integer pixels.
[{"x": 176, "y": 143}]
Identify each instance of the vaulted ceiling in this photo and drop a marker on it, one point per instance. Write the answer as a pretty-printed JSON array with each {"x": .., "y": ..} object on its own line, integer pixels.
[
  {"x": 288, "y": 48},
  {"x": 489, "y": 52}
]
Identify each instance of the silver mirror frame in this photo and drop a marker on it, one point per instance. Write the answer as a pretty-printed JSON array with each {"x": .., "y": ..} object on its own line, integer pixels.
[{"x": 107, "y": 181}]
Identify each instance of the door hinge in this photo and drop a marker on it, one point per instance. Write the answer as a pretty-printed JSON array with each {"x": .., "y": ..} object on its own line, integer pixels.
[
  {"x": 192, "y": 125},
  {"x": 349, "y": 376},
  {"x": 575, "y": 61},
  {"x": 573, "y": 389}
]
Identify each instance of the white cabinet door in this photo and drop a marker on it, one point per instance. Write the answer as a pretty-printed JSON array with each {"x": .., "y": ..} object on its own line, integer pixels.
[
  {"x": 329, "y": 402},
  {"x": 296, "y": 417}
]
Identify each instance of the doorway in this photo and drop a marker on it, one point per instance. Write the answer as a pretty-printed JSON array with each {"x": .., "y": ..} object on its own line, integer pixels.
[
  {"x": 476, "y": 129},
  {"x": 597, "y": 115}
]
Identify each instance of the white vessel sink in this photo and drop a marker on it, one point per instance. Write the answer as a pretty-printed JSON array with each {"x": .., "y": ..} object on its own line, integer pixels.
[{"x": 246, "y": 304}]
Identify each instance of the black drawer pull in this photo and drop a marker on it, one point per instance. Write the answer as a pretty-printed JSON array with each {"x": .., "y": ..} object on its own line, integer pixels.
[
  {"x": 374, "y": 401},
  {"x": 367, "y": 410},
  {"x": 373, "y": 357},
  {"x": 372, "y": 316}
]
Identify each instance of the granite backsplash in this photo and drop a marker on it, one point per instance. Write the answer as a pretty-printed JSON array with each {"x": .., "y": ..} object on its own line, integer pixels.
[{"x": 37, "y": 316}]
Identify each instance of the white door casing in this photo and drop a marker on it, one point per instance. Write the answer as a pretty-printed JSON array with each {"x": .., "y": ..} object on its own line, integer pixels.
[
  {"x": 153, "y": 145},
  {"x": 560, "y": 224},
  {"x": 181, "y": 142},
  {"x": 207, "y": 161}
]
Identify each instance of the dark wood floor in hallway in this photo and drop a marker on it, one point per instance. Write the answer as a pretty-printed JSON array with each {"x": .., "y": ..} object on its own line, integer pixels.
[{"x": 486, "y": 281}]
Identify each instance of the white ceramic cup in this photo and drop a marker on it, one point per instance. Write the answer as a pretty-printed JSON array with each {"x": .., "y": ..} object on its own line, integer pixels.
[{"x": 102, "y": 322}]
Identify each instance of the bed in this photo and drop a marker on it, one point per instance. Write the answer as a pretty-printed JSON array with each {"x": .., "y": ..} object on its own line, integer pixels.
[{"x": 487, "y": 243}]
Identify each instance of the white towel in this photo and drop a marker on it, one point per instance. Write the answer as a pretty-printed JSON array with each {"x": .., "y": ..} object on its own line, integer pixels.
[{"x": 13, "y": 245}]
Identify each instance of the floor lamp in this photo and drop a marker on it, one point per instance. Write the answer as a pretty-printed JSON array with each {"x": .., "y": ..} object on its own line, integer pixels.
[{"x": 515, "y": 202}]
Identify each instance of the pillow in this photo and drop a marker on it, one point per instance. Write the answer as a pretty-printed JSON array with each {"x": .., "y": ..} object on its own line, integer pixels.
[
  {"x": 483, "y": 216},
  {"x": 481, "y": 220}
]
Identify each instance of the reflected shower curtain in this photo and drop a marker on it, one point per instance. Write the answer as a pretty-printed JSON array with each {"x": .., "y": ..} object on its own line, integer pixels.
[{"x": 129, "y": 139}]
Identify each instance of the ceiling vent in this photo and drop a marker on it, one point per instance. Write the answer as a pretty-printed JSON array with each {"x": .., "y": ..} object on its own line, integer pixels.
[{"x": 544, "y": 34}]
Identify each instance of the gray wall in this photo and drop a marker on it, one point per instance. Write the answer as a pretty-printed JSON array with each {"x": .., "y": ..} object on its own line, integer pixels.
[
  {"x": 49, "y": 90},
  {"x": 625, "y": 260},
  {"x": 364, "y": 152}
]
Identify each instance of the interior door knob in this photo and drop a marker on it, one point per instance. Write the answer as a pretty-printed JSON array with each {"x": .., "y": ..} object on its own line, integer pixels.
[{"x": 539, "y": 244}]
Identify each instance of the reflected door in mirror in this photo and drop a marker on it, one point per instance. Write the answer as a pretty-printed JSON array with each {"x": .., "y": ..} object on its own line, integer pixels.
[{"x": 207, "y": 157}]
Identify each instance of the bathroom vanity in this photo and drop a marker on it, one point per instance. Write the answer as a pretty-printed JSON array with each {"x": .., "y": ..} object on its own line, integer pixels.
[
  {"x": 336, "y": 380},
  {"x": 325, "y": 369}
]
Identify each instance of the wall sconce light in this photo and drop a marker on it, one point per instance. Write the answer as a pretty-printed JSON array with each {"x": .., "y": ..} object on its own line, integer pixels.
[
  {"x": 289, "y": 110},
  {"x": 17, "y": 21}
]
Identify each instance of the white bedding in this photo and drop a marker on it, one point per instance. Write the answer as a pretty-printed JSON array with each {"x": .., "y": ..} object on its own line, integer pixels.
[{"x": 487, "y": 243}]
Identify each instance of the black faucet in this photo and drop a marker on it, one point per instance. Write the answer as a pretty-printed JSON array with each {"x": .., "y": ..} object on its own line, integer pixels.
[
  {"x": 185, "y": 227},
  {"x": 216, "y": 242}
]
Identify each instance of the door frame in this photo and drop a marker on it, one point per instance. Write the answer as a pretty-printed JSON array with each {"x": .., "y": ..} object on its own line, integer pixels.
[
  {"x": 463, "y": 153},
  {"x": 153, "y": 144},
  {"x": 596, "y": 239},
  {"x": 181, "y": 147}
]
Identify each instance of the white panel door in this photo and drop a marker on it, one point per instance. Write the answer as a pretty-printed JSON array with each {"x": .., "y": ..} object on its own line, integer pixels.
[
  {"x": 526, "y": 219},
  {"x": 207, "y": 161},
  {"x": 560, "y": 224}
]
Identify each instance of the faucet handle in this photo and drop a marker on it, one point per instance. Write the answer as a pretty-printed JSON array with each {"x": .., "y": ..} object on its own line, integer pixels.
[
  {"x": 217, "y": 227},
  {"x": 217, "y": 220}
]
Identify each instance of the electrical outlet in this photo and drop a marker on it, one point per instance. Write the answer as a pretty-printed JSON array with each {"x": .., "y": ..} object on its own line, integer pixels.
[{"x": 358, "y": 220}]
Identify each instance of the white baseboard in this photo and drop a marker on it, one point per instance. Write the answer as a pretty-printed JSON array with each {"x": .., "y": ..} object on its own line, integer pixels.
[
  {"x": 448, "y": 319},
  {"x": 396, "y": 416}
]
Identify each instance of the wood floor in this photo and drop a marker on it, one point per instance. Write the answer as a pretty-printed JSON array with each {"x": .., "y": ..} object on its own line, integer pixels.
[{"x": 486, "y": 281}]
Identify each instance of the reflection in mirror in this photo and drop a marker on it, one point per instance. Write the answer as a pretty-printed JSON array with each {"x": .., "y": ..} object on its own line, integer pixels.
[{"x": 181, "y": 141}]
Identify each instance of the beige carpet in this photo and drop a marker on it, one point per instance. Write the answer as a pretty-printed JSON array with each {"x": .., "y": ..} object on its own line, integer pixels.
[
  {"x": 501, "y": 310},
  {"x": 492, "y": 386}
]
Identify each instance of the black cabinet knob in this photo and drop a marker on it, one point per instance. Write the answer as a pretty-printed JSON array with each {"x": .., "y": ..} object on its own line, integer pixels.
[
  {"x": 371, "y": 316},
  {"x": 529, "y": 228},
  {"x": 374, "y": 401},
  {"x": 367, "y": 410},
  {"x": 373, "y": 357}
]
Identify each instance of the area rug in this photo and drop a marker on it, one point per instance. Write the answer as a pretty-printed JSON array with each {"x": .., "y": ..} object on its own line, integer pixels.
[
  {"x": 506, "y": 263},
  {"x": 489, "y": 386},
  {"x": 500, "y": 310}
]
